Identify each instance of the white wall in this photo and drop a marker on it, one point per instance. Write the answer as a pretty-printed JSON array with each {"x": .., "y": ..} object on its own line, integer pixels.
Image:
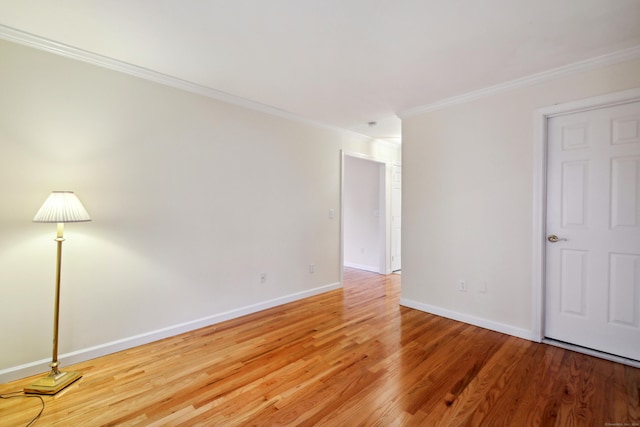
[
  {"x": 191, "y": 200},
  {"x": 364, "y": 214},
  {"x": 468, "y": 199}
]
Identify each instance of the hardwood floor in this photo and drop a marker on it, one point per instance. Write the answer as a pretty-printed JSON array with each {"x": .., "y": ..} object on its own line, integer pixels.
[{"x": 351, "y": 357}]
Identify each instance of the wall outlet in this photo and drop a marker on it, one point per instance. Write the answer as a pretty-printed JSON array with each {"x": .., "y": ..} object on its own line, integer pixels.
[
  {"x": 312, "y": 268},
  {"x": 462, "y": 286},
  {"x": 263, "y": 277}
]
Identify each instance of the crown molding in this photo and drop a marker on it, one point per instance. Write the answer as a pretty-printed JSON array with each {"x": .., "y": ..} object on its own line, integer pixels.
[
  {"x": 577, "y": 67},
  {"x": 61, "y": 49}
]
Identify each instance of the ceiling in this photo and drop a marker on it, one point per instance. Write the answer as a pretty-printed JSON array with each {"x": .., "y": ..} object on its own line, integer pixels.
[{"x": 341, "y": 63}]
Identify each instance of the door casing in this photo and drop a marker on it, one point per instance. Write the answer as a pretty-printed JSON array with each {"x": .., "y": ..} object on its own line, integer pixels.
[
  {"x": 396, "y": 220},
  {"x": 384, "y": 256}
]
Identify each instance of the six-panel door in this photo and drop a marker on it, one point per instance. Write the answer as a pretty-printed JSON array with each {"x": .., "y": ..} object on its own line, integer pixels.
[{"x": 592, "y": 292}]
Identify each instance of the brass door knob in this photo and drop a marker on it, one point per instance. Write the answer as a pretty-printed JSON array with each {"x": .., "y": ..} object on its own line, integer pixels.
[{"x": 553, "y": 238}]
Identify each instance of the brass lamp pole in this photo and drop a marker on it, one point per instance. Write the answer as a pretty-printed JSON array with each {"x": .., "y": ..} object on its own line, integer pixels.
[{"x": 60, "y": 207}]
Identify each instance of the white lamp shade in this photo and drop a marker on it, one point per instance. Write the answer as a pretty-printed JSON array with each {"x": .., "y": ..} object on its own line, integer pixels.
[{"x": 62, "y": 206}]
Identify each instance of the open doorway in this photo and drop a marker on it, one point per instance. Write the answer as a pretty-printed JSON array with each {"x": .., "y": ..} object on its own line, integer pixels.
[{"x": 367, "y": 214}]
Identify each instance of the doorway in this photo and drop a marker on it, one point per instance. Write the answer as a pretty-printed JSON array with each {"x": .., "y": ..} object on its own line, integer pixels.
[
  {"x": 364, "y": 216},
  {"x": 588, "y": 231}
]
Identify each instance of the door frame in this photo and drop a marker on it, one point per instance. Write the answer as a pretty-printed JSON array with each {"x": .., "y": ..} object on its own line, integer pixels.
[
  {"x": 393, "y": 243},
  {"x": 383, "y": 263},
  {"x": 540, "y": 193}
]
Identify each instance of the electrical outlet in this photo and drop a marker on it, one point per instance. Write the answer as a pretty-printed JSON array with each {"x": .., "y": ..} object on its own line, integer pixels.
[
  {"x": 462, "y": 286},
  {"x": 312, "y": 268},
  {"x": 263, "y": 277}
]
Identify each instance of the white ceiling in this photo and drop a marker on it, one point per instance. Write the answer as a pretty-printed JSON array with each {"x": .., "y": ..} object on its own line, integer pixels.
[{"x": 342, "y": 63}]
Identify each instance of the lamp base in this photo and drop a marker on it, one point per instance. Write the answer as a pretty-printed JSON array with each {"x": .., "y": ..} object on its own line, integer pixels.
[{"x": 53, "y": 383}]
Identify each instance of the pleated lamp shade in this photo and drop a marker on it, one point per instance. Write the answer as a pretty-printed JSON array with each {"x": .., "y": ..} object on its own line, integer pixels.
[{"x": 62, "y": 206}]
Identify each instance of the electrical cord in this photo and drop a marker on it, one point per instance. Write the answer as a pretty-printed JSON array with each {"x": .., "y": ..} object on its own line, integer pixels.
[{"x": 21, "y": 394}]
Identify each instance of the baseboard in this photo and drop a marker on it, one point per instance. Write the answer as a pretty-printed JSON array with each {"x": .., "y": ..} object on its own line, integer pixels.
[
  {"x": 67, "y": 359},
  {"x": 373, "y": 269},
  {"x": 472, "y": 320}
]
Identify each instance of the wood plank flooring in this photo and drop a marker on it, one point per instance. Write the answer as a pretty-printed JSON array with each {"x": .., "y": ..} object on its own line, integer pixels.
[{"x": 351, "y": 357}]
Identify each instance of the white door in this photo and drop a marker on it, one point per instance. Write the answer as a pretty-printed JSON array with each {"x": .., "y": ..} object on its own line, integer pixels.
[
  {"x": 592, "y": 292},
  {"x": 396, "y": 218}
]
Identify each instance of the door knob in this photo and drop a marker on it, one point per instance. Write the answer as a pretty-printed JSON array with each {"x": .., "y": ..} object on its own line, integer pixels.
[{"x": 553, "y": 238}]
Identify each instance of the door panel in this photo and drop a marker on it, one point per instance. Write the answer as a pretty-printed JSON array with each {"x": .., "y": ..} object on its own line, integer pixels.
[
  {"x": 574, "y": 194},
  {"x": 623, "y": 289},
  {"x": 573, "y": 282},
  {"x": 625, "y": 192},
  {"x": 592, "y": 292}
]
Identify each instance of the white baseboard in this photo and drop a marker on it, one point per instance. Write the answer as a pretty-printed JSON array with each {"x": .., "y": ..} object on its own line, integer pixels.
[
  {"x": 373, "y": 269},
  {"x": 472, "y": 320},
  {"x": 40, "y": 366}
]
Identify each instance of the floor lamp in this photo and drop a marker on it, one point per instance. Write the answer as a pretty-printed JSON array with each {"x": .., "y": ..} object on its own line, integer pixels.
[{"x": 60, "y": 207}]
